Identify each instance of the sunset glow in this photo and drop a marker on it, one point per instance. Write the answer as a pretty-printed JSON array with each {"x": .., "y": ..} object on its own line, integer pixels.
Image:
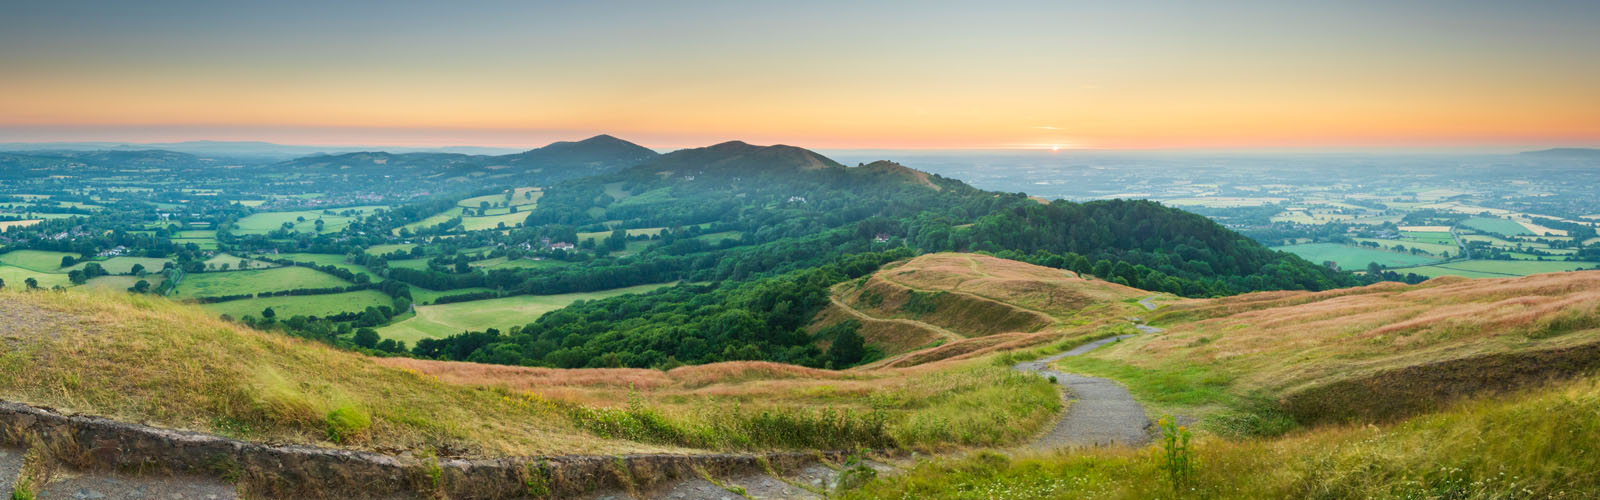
[{"x": 842, "y": 75}]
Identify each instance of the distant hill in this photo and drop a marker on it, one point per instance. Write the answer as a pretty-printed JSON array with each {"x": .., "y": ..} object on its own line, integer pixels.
[
  {"x": 568, "y": 159},
  {"x": 738, "y": 157},
  {"x": 1565, "y": 153},
  {"x": 255, "y": 151},
  {"x": 556, "y": 162}
]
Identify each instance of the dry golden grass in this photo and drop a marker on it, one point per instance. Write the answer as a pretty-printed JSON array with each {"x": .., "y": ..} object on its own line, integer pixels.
[
  {"x": 148, "y": 359},
  {"x": 1284, "y": 342}
]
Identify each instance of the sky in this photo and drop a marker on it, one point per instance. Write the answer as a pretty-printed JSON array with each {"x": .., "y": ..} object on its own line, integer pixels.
[{"x": 853, "y": 74}]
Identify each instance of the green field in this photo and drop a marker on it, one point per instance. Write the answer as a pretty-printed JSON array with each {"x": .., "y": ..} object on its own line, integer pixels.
[
  {"x": 36, "y": 260},
  {"x": 263, "y": 223},
  {"x": 449, "y": 319},
  {"x": 123, "y": 265},
  {"x": 418, "y": 263},
  {"x": 122, "y": 283},
  {"x": 1495, "y": 268},
  {"x": 1432, "y": 248},
  {"x": 493, "y": 221},
  {"x": 1497, "y": 226},
  {"x": 601, "y": 235},
  {"x": 433, "y": 220},
  {"x": 384, "y": 249},
  {"x": 253, "y": 281},
  {"x": 519, "y": 198},
  {"x": 1436, "y": 238},
  {"x": 503, "y": 263},
  {"x": 1354, "y": 258},
  {"x": 233, "y": 262},
  {"x": 16, "y": 277},
  {"x": 324, "y": 259},
  {"x": 302, "y": 305}
]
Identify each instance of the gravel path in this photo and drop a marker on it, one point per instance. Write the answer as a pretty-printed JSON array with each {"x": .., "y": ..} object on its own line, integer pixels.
[{"x": 1100, "y": 412}]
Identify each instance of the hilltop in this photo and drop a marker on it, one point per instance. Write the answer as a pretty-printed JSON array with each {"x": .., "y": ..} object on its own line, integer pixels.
[{"x": 571, "y": 159}]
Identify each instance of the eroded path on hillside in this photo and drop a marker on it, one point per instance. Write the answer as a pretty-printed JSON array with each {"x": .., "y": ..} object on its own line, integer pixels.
[
  {"x": 941, "y": 331},
  {"x": 1100, "y": 412}
]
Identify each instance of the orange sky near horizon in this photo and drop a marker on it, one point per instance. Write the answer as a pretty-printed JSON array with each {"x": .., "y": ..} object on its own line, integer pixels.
[{"x": 1101, "y": 77}]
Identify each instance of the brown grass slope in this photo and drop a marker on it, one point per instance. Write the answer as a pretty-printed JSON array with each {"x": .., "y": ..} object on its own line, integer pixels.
[
  {"x": 947, "y": 305},
  {"x": 1377, "y": 352}
]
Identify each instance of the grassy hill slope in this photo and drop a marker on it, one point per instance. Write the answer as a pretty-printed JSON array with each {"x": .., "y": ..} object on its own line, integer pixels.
[
  {"x": 148, "y": 359},
  {"x": 1377, "y": 352},
  {"x": 954, "y": 304}
]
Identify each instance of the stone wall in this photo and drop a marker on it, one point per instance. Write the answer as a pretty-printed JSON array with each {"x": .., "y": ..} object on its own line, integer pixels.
[{"x": 290, "y": 471}]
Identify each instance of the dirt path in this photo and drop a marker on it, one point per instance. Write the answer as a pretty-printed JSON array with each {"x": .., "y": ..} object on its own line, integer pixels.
[
  {"x": 947, "y": 334},
  {"x": 1100, "y": 412}
]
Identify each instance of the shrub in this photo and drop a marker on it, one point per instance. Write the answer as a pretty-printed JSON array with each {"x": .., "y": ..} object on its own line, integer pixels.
[
  {"x": 1177, "y": 458},
  {"x": 346, "y": 423}
]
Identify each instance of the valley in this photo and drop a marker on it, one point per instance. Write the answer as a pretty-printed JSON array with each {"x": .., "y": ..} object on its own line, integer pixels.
[{"x": 760, "y": 303}]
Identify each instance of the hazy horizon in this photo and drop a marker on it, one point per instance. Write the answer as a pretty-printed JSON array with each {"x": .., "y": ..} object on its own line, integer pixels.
[{"x": 828, "y": 75}]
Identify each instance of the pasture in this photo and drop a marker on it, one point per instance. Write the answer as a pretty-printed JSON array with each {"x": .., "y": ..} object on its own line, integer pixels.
[
  {"x": 493, "y": 221},
  {"x": 16, "y": 277},
  {"x": 302, "y": 305},
  {"x": 448, "y": 319},
  {"x": 123, "y": 265},
  {"x": 1496, "y": 268},
  {"x": 1496, "y": 225},
  {"x": 433, "y": 220},
  {"x": 1431, "y": 248},
  {"x": 233, "y": 262},
  {"x": 36, "y": 260},
  {"x": 324, "y": 259},
  {"x": 1354, "y": 258},
  {"x": 523, "y": 196},
  {"x": 263, "y": 280},
  {"x": 266, "y": 222},
  {"x": 122, "y": 283},
  {"x": 504, "y": 263},
  {"x": 387, "y": 249}
]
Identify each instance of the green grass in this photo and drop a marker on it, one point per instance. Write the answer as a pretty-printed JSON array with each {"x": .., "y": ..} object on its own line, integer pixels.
[
  {"x": 503, "y": 263},
  {"x": 122, "y": 283},
  {"x": 385, "y": 249},
  {"x": 418, "y": 263},
  {"x": 434, "y": 220},
  {"x": 493, "y": 221},
  {"x": 16, "y": 277},
  {"x": 1354, "y": 258},
  {"x": 1528, "y": 446},
  {"x": 36, "y": 260},
  {"x": 324, "y": 259},
  {"x": 263, "y": 223},
  {"x": 1175, "y": 389},
  {"x": 1432, "y": 248},
  {"x": 233, "y": 262},
  {"x": 302, "y": 305},
  {"x": 436, "y": 321},
  {"x": 1436, "y": 238},
  {"x": 1496, "y": 268},
  {"x": 122, "y": 265},
  {"x": 714, "y": 238},
  {"x": 1497, "y": 226},
  {"x": 517, "y": 199},
  {"x": 212, "y": 284},
  {"x": 602, "y": 235}
]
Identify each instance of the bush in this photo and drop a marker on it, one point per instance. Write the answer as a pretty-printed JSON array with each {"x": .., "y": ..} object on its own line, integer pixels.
[{"x": 346, "y": 423}]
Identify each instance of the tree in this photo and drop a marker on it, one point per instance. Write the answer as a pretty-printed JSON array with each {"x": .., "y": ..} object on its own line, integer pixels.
[
  {"x": 136, "y": 270},
  {"x": 141, "y": 287},
  {"x": 268, "y": 313},
  {"x": 76, "y": 277},
  {"x": 366, "y": 337},
  {"x": 68, "y": 261},
  {"x": 33, "y": 284},
  {"x": 2, "y": 284},
  {"x": 848, "y": 346}
]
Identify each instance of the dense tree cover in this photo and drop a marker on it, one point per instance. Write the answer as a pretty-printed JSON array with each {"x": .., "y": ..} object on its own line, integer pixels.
[{"x": 760, "y": 319}]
